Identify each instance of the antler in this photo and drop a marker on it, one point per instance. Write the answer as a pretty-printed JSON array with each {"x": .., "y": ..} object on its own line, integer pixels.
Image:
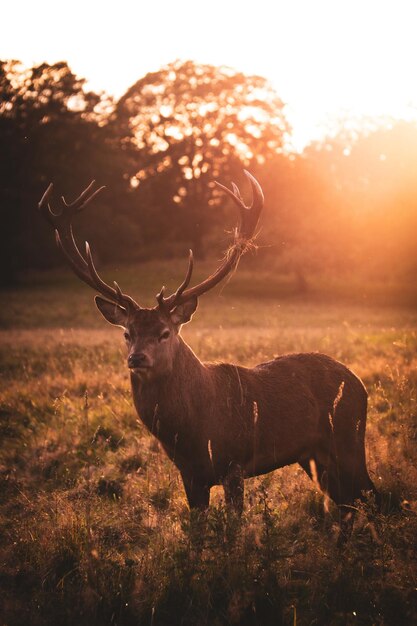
[
  {"x": 244, "y": 234},
  {"x": 84, "y": 268}
]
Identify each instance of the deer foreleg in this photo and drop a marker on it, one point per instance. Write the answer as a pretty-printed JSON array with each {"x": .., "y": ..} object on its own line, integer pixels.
[{"x": 233, "y": 486}]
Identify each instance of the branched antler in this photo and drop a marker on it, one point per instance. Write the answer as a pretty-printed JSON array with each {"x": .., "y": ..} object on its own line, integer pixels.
[
  {"x": 83, "y": 267},
  {"x": 244, "y": 234}
]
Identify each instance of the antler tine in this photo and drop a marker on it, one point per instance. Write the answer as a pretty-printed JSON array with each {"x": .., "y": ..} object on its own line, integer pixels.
[
  {"x": 160, "y": 298},
  {"x": 254, "y": 211},
  {"x": 119, "y": 291},
  {"x": 235, "y": 188},
  {"x": 170, "y": 302},
  {"x": 249, "y": 215},
  {"x": 84, "y": 198},
  {"x": 188, "y": 275},
  {"x": 104, "y": 288},
  {"x": 243, "y": 235},
  {"x": 44, "y": 207},
  {"x": 84, "y": 274},
  {"x": 84, "y": 268},
  {"x": 44, "y": 200},
  {"x": 77, "y": 268},
  {"x": 69, "y": 208}
]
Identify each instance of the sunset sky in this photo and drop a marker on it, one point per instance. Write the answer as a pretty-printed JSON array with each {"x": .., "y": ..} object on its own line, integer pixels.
[{"x": 324, "y": 58}]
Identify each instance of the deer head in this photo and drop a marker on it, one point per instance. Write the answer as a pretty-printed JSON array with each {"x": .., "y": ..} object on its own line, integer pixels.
[{"x": 151, "y": 334}]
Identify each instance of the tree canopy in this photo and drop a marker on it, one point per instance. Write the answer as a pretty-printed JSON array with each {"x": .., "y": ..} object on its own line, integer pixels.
[
  {"x": 51, "y": 129},
  {"x": 346, "y": 203},
  {"x": 193, "y": 124}
]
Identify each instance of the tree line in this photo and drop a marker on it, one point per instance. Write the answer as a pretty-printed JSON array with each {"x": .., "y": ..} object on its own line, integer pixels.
[{"x": 347, "y": 203}]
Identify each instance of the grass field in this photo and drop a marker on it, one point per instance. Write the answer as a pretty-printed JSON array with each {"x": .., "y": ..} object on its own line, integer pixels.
[{"x": 94, "y": 526}]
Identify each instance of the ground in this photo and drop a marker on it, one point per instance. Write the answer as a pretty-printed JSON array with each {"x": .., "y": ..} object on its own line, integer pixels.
[{"x": 94, "y": 523}]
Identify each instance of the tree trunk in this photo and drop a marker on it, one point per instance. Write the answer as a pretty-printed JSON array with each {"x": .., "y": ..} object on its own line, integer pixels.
[{"x": 301, "y": 281}]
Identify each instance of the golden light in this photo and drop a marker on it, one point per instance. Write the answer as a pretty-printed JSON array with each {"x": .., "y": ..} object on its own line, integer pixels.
[{"x": 324, "y": 58}]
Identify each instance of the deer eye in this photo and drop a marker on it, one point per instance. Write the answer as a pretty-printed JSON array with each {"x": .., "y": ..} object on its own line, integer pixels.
[
  {"x": 164, "y": 335},
  {"x": 126, "y": 336}
]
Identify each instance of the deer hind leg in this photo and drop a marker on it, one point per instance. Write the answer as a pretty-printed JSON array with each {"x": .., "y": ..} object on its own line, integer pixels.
[
  {"x": 356, "y": 478},
  {"x": 326, "y": 473},
  {"x": 349, "y": 481},
  {"x": 197, "y": 492},
  {"x": 233, "y": 486},
  {"x": 348, "y": 450},
  {"x": 340, "y": 491}
]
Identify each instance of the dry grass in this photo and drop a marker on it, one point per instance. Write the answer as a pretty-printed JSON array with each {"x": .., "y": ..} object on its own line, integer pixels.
[{"x": 94, "y": 523}]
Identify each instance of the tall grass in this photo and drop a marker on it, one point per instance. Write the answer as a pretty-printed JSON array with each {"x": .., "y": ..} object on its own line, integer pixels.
[{"x": 94, "y": 523}]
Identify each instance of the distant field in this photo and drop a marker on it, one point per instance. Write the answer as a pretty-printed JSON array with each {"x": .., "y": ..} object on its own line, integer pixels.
[
  {"x": 94, "y": 527},
  {"x": 57, "y": 298}
]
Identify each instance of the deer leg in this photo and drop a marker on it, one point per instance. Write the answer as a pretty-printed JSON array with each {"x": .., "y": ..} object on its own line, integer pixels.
[
  {"x": 334, "y": 484},
  {"x": 354, "y": 485},
  {"x": 197, "y": 492},
  {"x": 233, "y": 486},
  {"x": 340, "y": 490},
  {"x": 356, "y": 479}
]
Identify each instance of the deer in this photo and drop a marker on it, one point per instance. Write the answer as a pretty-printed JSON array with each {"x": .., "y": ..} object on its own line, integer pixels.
[{"x": 221, "y": 423}]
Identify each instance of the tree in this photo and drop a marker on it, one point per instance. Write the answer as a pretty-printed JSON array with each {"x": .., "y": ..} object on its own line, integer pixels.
[
  {"x": 370, "y": 182},
  {"x": 158, "y": 153},
  {"x": 51, "y": 129},
  {"x": 193, "y": 124}
]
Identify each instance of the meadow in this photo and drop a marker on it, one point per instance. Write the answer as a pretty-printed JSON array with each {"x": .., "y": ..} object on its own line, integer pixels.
[{"x": 94, "y": 525}]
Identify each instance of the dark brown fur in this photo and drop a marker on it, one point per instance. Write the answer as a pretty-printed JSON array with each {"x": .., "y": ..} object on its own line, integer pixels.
[{"x": 221, "y": 423}]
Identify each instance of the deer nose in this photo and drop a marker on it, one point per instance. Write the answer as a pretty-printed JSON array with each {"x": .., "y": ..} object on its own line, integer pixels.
[{"x": 138, "y": 359}]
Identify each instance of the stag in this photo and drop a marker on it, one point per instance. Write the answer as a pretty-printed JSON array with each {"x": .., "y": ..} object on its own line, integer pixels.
[{"x": 221, "y": 423}]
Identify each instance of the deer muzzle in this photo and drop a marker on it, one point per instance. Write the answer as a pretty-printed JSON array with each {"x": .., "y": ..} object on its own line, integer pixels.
[{"x": 138, "y": 361}]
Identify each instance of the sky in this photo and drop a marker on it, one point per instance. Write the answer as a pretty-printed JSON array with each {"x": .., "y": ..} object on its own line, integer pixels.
[{"x": 325, "y": 58}]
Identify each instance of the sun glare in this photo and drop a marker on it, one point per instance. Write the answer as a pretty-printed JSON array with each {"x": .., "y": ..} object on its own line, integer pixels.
[{"x": 324, "y": 58}]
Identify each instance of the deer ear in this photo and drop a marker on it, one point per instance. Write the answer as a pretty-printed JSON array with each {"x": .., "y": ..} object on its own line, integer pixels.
[
  {"x": 184, "y": 312},
  {"x": 111, "y": 312}
]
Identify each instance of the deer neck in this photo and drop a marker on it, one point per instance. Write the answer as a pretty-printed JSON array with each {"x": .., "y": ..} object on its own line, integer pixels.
[{"x": 169, "y": 401}]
